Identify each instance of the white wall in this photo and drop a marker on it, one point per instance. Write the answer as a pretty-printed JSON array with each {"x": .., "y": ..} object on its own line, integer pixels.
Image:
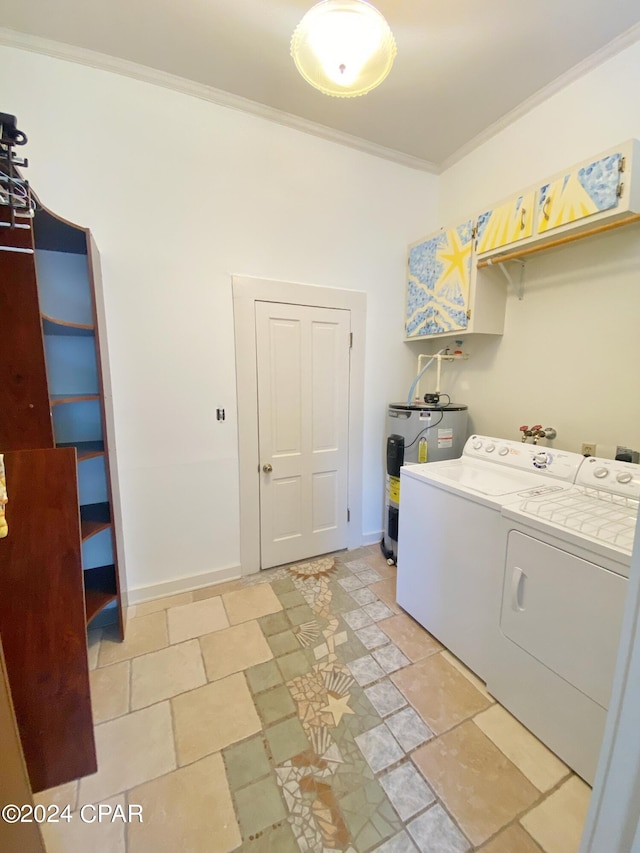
[
  {"x": 570, "y": 351},
  {"x": 181, "y": 194}
]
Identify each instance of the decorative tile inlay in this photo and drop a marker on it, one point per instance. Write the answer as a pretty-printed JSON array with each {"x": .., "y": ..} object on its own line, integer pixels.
[
  {"x": 407, "y": 790},
  {"x": 408, "y": 729},
  {"x": 306, "y": 722},
  {"x": 379, "y": 747},
  {"x": 378, "y": 611},
  {"x": 365, "y": 670},
  {"x": 435, "y": 832},
  {"x": 357, "y": 565},
  {"x": 356, "y": 619},
  {"x": 390, "y": 658},
  {"x": 385, "y": 698},
  {"x": 372, "y": 637},
  {"x": 351, "y": 583},
  {"x": 363, "y": 596},
  {"x": 400, "y": 843}
]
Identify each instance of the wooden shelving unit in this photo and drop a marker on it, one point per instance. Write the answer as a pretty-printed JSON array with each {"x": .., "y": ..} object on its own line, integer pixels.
[
  {"x": 59, "y": 566},
  {"x": 66, "y": 260}
]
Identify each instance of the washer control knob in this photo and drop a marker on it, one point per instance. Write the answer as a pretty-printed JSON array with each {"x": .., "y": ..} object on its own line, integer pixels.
[
  {"x": 601, "y": 473},
  {"x": 503, "y": 451},
  {"x": 540, "y": 459},
  {"x": 624, "y": 477},
  {"x": 477, "y": 445},
  {"x": 490, "y": 448}
]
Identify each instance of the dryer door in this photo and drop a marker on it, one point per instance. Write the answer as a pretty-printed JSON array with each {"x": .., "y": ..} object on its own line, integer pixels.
[{"x": 563, "y": 611}]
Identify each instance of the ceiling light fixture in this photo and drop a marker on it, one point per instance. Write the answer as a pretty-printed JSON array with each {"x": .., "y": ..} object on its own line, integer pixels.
[{"x": 343, "y": 47}]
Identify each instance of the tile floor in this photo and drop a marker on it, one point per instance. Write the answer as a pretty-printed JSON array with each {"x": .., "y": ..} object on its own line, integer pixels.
[{"x": 302, "y": 710}]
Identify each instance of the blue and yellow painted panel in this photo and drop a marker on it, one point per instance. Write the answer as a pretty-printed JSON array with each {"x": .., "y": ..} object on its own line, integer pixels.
[
  {"x": 578, "y": 194},
  {"x": 506, "y": 224},
  {"x": 439, "y": 282}
]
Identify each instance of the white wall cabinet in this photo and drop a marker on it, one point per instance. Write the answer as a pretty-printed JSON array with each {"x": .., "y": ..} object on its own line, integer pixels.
[
  {"x": 599, "y": 190},
  {"x": 506, "y": 224},
  {"x": 446, "y": 294}
]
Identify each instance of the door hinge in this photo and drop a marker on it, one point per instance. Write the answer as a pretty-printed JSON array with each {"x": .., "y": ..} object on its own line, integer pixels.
[
  {"x": 474, "y": 232},
  {"x": 348, "y": 514},
  {"x": 622, "y": 165},
  {"x": 350, "y": 340},
  {"x": 620, "y": 189},
  {"x": 468, "y": 313}
]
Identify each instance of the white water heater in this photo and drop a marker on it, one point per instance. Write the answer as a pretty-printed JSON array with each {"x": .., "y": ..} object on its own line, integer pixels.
[{"x": 417, "y": 432}]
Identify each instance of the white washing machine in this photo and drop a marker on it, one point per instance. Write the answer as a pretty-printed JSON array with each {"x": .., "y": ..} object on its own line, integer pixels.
[
  {"x": 564, "y": 585},
  {"x": 451, "y": 539}
]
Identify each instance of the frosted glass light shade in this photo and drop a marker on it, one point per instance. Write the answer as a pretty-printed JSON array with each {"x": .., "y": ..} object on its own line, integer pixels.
[{"x": 343, "y": 47}]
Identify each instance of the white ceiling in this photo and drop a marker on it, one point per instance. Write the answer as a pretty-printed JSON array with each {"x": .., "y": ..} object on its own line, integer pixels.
[{"x": 461, "y": 66}]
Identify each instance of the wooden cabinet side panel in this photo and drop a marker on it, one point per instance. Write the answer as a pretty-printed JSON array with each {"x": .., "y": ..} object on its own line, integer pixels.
[
  {"x": 42, "y": 616},
  {"x": 106, "y": 404},
  {"x": 25, "y": 416}
]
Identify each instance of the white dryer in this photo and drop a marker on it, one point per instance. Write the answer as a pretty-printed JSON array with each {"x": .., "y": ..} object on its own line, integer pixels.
[
  {"x": 451, "y": 540},
  {"x": 564, "y": 585}
]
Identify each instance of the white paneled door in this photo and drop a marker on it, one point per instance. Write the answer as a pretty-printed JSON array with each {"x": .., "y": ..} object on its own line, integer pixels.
[{"x": 303, "y": 412}]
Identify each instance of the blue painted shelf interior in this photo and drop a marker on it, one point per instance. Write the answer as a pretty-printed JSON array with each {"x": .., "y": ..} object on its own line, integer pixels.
[
  {"x": 66, "y": 304},
  {"x": 63, "y": 286}
]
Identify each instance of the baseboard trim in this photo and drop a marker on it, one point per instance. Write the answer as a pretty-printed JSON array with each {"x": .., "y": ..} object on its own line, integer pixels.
[
  {"x": 186, "y": 584},
  {"x": 372, "y": 538}
]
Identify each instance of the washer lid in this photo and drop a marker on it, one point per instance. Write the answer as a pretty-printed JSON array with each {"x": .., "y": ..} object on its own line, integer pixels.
[{"x": 479, "y": 479}]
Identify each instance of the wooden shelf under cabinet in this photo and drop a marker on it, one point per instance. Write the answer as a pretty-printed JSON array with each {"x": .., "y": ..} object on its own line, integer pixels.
[
  {"x": 93, "y": 519},
  {"x": 58, "y": 399},
  {"x": 99, "y": 589},
  {"x": 52, "y": 326},
  {"x": 85, "y": 449}
]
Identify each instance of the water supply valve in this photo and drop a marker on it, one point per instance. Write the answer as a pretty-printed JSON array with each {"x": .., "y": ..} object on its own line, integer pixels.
[{"x": 537, "y": 432}]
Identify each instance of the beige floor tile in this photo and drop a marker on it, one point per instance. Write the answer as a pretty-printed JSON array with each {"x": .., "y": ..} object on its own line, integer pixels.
[
  {"x": 146, "y": 634},
  {"x": 161, "y": 675},
  {"x": 212, "y": 717},
  {"x": 539, "y": 764},
  {"x": 440, "y": 694},
  {"x": 252, "y": 602},
  {"x": 188, "y": 810},
  {"x": 193, "y": 620},
  {"x": 410, "y": 637},
  {"x": 234, "y": 649},
  {"x": 386, "y": 591},
  {"x": 110, "y": 691},
  {"x": 131, "y": 750},
  {"x": 512, "y": 840},
  {"x": 470, "y": 676},
  {"x": 379, "y": 563},
  {"x": 557, "y": 823},
  {"x": 157, "y": 604},
  {"x": 216, "y": 589},
  {"x": 78, "y": 836},
  {"x": 93, "y": 646},
  {"x": 61, "y": 796},
  {"x": 479, "y": 786}
]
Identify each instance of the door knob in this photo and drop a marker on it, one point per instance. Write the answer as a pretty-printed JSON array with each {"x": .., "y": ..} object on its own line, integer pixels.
[{"x": 268, "y": 468}]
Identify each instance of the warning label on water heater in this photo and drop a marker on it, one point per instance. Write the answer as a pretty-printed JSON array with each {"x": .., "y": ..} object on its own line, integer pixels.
[{"x": 445, "y": 438}]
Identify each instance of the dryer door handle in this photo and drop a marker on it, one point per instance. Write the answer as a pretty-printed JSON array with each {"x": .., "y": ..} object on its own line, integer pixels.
[{"x": 518, "y": 578}]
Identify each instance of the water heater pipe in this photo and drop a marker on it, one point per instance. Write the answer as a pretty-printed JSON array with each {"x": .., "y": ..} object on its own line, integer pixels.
[
  {"x": 423, "y": 371},
  {"x": 440, "y": 356}
]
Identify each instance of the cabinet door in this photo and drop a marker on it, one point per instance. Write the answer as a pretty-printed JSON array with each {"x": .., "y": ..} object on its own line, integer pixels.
[
  {"x": 579, "y": 193},
  {"x": 506, "y": 224},
  {"x": 42, "y": 616},
  {"x": 439, "y": 282}
]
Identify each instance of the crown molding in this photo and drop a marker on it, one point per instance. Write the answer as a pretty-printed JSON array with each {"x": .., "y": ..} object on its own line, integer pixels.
[
  {"x": 145, "y": 74},
  {"x": 614, "y": 47}
]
